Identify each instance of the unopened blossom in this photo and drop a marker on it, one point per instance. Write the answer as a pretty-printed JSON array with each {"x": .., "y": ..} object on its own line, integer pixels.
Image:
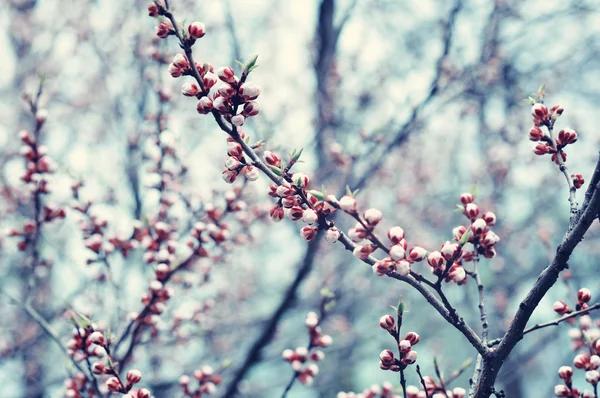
[
  {"x": 387, "y": 322},
  {"x": 397, "y": 252},
  {"x": 417, "y": 253},
  {"x": 251, "y": 108},
  {"x": 372, "y": 217},
  {"x": 403, "y": 267},
  {"x": 561, "y": 308},
  {"x": 592, "y": 377},
  {"x": 196, "y": 30},
  {"x": 489, "y": 218},
  {"x": 466, "y": 198},
  {"x": 227, "y": 75},
  {"x": 412, "y": 337},
  {"x": 566, "y": 136},
  {"x": 249, "y": 91},
  {"x": 348, "y": 204},
  {"x": 272, "y": 159},
  {"x": 164, "y": 29},
  {"x": 449, "y": 250},
  {"x": 478, "y": 226},
  {"x": 308, "y": 233},
  {"x": 539, "y": 111},
  {"x": 134, "y": 376},
  {"x": 309, "y": 216},
  {"x": 435, "y": 259},
  {"x": 471, "y": 211},
  {"x": 332, "y": 235},
  {"x": 363, "y": 251},
  {"x": 562, "y": 391},
  {"x": 395, "y": 235},
  {"x": 190, "y": 89},
  {"x": 536, "y": 134},
  {"x": 238, "y": 120}
]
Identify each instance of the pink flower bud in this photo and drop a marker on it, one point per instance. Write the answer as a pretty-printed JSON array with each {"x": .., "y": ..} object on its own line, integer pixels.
[
  {"x": 153, "y": 10},
  {"x": 403, "y": 267},
  {"x": 592, "y": 377},
  {"x": 561, "y": 308},
  {"x": 387, "y": 357},
  {"x": 285, "y": 190},
  {"x": 143, "y": 393},
  {"x": 164, "y": 29},
  {"x": 229, "y": 176},
  {"x": 134, "y": 376},
  {"x": 581, "y": 361},
  {"x": 232, "y": 163},
  {"x": 312, "y": 320},
  {"x": 535, "y": 134},
  {"x": 98, "y": 368},
  {"x": 417, "y": 254},
  {"x": 288, "y": 355},
  {"x": 309, "y": 216},
  {"x": 372, "y": 217},
  {"x": 209, "y": 80},
  {"x": 449, "y": 250},
  {"x": 471, "y": 211},
  {"x": 277, "y": 213},
  {"x": 489, "y": 218},
  {"x": 565, "y": 373},
  {"x": 542, "y": 149},
  {"x": 404, "y": 346},
  {"x": 566, "y": 136},
  {"x": 363, "y": 251},
  {"x": 234, "y": 149},
  {"x": 175, "y": 71},
  {"x": 238, "y": 120},
  {"x": 387, "y": 322},
  {"x": 410, "y": 358},
  {"x": 397, "y": 252},
  {"x": 251, "y": 108},
  {"x": 190, "y": 89},
  {"x": 249, "y": 91},
  {"x": 395, "y": 235},
  {"x": 196, "y": 30},
  {"x": 459, "y": 392},
  {"x": 457, "y": 274},
  {"x": 332, "y": 235},
  {"x": 323, "y": 341},
  {"x": 466, "y": 198},
  {"x": 308, "y": 233},
  {"x": 348, "y": 204},
  {"x": 272, "y": 159},
  {"x": 113, "y": 384},
  {"x": 539, "y": 111},
  {"x": 227, "y": 75},
  {"x": 412, "y": 337},
  {"x": 478, "y": 226},
  {"x": 180, "y": 61},
  {"x": 97, "y": 338},
  {"x": 584, "y": 295},
  {"x": 296, "y": 213},
  {"x": 435, "y": 259},
  {"x": 251, "y": 173},
  {"x": 490, "y": 239},
  {"x": 300, "y": 180},
  {"x": 578, "y": 180},
  {"x": 562, "y": 391}
]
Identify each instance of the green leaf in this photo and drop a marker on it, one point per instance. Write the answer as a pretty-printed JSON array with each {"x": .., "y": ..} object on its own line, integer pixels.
[
  {"x": 296, "y": 156},
  {"x": 465, "y": 238},
  {"x": 317, "y": 194},
  {"x": 327, "y": 293},
  {"x": 348, "y": 191},
  {"x": 355, "y": 193},
  {"x": 329, "y": 306},
  {"x": 401, "y": 309},
  {"x": 80, "y": 320},
  {"x": 251, "y": 65},
  {"x": 276, "y": 170},
  {"x": 240, "y": 64},
  {"x": 474, "y": 190}
]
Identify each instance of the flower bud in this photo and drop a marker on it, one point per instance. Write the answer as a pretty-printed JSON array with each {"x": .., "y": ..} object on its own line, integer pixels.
[
  {"x": 113, "y": 384},
  {"x": 562, "y": 391},
  {"x": 190, "y": 89},
  {"x": 466, "y": 198},
  {"x": 180, "y": 61},
  {"x": 227, "y": 75},
  {"x": 592, "y": 377},
  {"x": 404, "y": 346},
  {"x": 403, "y": 267},
  {"x": 251, "y": 108},
  {"x": 386, "y": 356},
  {"x": 348, "y": 204},
  {"x": 229, "y": 176},
  {"x": 308, "y": 233},
  {"x": 134, "y": 376},
  {"x": 249, "y": 91},
  {"x": 397, "y": 252},
  {"x": 417, "y": 253},
  {"x": 387, "y": 322},
  {"x": 535, "y": 134},
  {"x": 310, "y": 216},
  {"x": 196, "y": 30},
  {"x": 209, "y": 80},
  {"x": 238, "y": 120},
  {"x": 478, "y": 226},
  {"x": 471, "y": 211},
  {"x": 372, "y": 217},
  {"x": 584, "y": 295},
  {"x": 395, "y": 235},
  {"x": 539, "y": 111},
  {"x": 410, "y": 358},
  {"x": 561, "y": 308},
  {"x": 412, "y": 337},
  {"x": 97, "y": 338},
  {"x": 98, "y": 368},
  {"x": 581, "y": 361},
  {"x": 363, "y": 251},
  {"x": 489, "y": 218},
  {"x": 164, "y": 29},
  {"x": 272, "y": 159},
  {"x": 277, "y": 214},
  {"x": 449, "y": 250},
  {"x": 435, "y": 259}
]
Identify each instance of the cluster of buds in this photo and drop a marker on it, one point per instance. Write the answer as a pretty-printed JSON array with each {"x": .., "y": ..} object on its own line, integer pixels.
[
  {"x": 207, "y": 379},
  {"x": 235, "y": 99},
  {"x": 154, "y": 301},
  {"x": 236, "y": 163},
  {"x": 584, "y": 295},
  {"x": 406, "y": 355},
  {"x": 75, "y": 387},
  {"x": 303, "y": 359},
  {"x": 434, "y": 390},
  {"x": 400, "y": 257},
  {"x": 38, "y": 164},
  {"x": 386, "y": 390},
  {"x": 85, "y": 343},
  {"x": 116, "y": 385},
  {"x": 567, "y": 389},
  {"x": 546, "y": 142}
]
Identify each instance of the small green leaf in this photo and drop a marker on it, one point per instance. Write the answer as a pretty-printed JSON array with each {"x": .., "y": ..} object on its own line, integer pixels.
[
  {"x": 276, "y": 170},
  {"x": 329, "y": 306},
  {"x": 401, "y": 309},
  {"x": 348, "y": 191},
  {"x": 251, "y": 65},
  {"x": 474, "y": 191},
  {"x": 355, "y": 193},
  {"x": 327, "y": 293},
  {"x": 465, "y": 238},
  {"x": 296, "y": 156},
  {"x": 80, "y": 320},
  {"x": 239, "y": 63},
  {"x": 317, "y": 194}
]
